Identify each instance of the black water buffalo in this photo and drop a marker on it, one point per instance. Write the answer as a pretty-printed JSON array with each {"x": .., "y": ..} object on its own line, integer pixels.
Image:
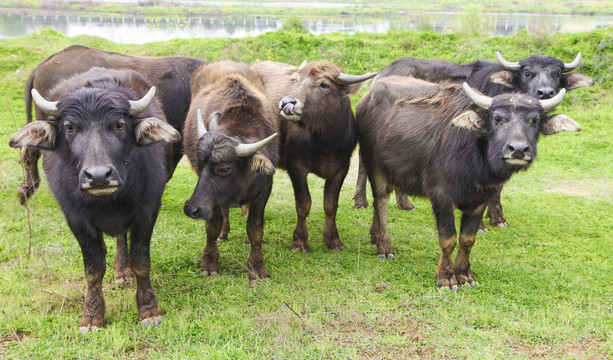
[
  {"x": 433, "y": 140},
  {"x": 229, "y": 153},
  {"x": 538, "y": 76},
  {"x": 171, "y": 76},
  {"x": 106, "y": 158},
  {"x": 317, "y": 134}
]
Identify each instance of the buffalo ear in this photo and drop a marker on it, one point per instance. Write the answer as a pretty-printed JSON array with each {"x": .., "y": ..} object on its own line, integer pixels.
[
  {"x": 504, "y": 77},
  {"x": 576, "y": 80},
  {"x": 470, "y": 120},
  {"x": 260, "y": 164},
  {"x": 152, "y": 130},
  {"x": 559, "y": 122},
  {"x": 38, "y": 134}
]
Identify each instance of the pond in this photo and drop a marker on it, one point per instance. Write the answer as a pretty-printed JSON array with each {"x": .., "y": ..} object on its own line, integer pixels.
[{"x": 139, "y": 30}]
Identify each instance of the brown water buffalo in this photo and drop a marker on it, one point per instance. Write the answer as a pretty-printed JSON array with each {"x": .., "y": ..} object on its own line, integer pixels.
[
  {"x": 229, "y": 140},
  {"x": 106, "y": 156},
  {"x": 538, "y": 76},
  {"x": 170, "y": 75},
  {"x": 456, "y": 147},
  {"x": 317, "y": 134}
]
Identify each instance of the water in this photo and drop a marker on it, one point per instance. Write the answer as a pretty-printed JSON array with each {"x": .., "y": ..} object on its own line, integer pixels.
[{"x": 140, "y": 30}]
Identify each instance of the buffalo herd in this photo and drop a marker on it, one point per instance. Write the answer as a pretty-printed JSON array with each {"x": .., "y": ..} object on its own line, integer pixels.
[{"x": 112, "y": 128}]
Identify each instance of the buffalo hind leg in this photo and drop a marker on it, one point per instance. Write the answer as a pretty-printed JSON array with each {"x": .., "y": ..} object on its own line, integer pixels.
[
  {"x": 302, "y": 197},
  {"x": 468, "y": 230},
  {"x": 332, "y": 190},
  {"x": 494, "y": 211},
  {"x": 378, "y": 228},
  {"x": 29, "y": 158},
  {"x": 402, "y": 200},
  {"x": 149, "y": 312},
  {"x": 209, "y": 264},
  {"x": 360, "y": 187},
  {"x": 225, "y": 228},
  {"x": 122, "y": 273}
]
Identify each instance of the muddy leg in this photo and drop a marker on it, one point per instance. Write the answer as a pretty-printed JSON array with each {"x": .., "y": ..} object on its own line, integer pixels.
[
  {"x": 122, "y": 273},
  {"x": 209, "y": 264},
  {"x": 332, "y": 190},
  {"x": 378, "y": 228},
  {"x": 303, "y": 207},
  {"x": 225, "y": 229}
]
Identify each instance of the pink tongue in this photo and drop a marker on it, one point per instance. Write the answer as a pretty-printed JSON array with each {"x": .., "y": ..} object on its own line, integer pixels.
[{"x": 288, "y": 109}]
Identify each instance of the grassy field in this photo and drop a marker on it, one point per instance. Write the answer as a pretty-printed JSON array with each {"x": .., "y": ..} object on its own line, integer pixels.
[{"x": 544, "y": 284}]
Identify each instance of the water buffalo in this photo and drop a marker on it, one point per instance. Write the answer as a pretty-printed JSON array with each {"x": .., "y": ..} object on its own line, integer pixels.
[
  {"x": 229, "y": 153},
  {"x": 455, "y": 147},
  {"x": 171, "y": 76},
  {"x": 538, "y": 76},
  {"x": 317, "y": 134},
  {"x": 106, "y": 158}
]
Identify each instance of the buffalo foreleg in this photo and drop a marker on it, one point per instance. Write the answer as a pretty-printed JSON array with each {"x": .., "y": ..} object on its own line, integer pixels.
[
  {"x": 255, "y": 232},
  {"x": 149, "y": 312},
  {"x": 360, "y": 187},
  {"x": 209, "y": 264},
  {"x": 29, "y": 158},
  {"x": 402, "y": 200},
  {"x": 122, "y": 273},
  {"x": 447, "y": 239},
  {"x": 332, "y": 190},
  {"x": 468, "y": 230},
  {"x": 303, "y": 207},
  {"x": 94, "y": 264}
]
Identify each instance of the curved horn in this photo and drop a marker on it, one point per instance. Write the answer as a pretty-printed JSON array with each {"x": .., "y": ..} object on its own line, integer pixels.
[
  {"x": 480, "y": 100},
  {"x": 345, "y": 79},
  {"x": 303, "y": 64},
  {"x": 138, "y": 106},
  {"x": 574, "y": 64},
  {"x": 46, "y": 106},
  {"x": 201, "y": 127},
  {"x": 243, "y": 150},
  {"x": 507, "y": 65},
  {"x": 550, "y": 104}
]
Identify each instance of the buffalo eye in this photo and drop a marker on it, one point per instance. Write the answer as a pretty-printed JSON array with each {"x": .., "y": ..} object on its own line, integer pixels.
[
  {"x": 556, "y": 74},
  {"x": 69, "y": 128},
  {"x": 223, "y": 171},
  {"x": 323, "y": 85},
  {"x": 119, "y": 126},
  {"x": 527, "y": 74},
  {"x": 497, "y": 118},
  {"x": 534, "y": 120}
]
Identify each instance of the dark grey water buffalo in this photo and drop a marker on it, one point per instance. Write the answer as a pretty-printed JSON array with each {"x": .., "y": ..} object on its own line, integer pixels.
[
  {"x": 317, "y": 134},
  {"x": 229, "y": 140},
  {"x": 106, "y": 156},
  {"x": 171, "y": 76},
  {"x": 538, "y": 76},
  {"x": 456, "y": 147}
]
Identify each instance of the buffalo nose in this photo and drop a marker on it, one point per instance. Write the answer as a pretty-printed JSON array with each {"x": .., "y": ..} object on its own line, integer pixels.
[
  {"x": 192, "y": 211},
  {"x": 518, "y": 149},
  {"x": 98, "y": 176},
  {"x": 546, "y": 93}
]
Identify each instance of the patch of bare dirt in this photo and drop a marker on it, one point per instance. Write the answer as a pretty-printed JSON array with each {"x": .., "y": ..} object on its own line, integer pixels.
[
  {"x": 583, "y": 349},
  {"x": 590, "y": 188}
]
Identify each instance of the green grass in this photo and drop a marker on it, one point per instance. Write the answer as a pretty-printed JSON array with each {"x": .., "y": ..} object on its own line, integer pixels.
[{"x": 544, "y": 284}]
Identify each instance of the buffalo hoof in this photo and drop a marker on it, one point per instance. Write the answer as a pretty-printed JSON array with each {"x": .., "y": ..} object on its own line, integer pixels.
[
  {"x": 335, "y": 244},
  {"x": 152, "y": 321},
  {"x": 88, "y": 328},
  {"x": 403, "y": 203},
  {"x": 209, "y": 273},
  {"x": 360, "y": 203},
  {"x": 388, "y": 256},
  {"x": 502, "y": 225},
  {"x": 222, "y": 238},
  {"x": 300, "y": 247},
  {"x": 124, "y": 280},
  {"x": 25, "y": 193}
]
